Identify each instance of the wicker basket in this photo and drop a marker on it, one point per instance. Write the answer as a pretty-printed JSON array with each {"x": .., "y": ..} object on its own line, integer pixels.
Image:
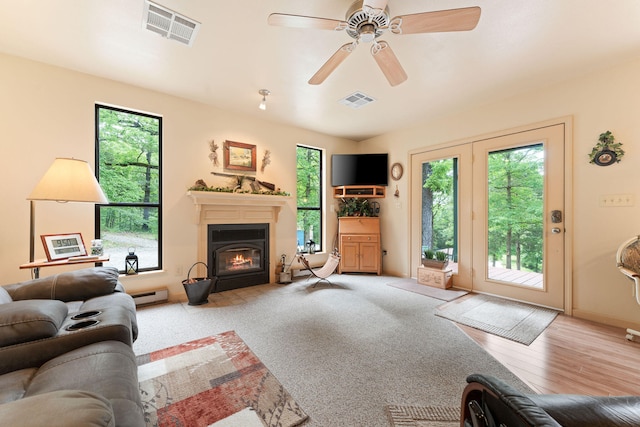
[{"x": 199, "y": 288}]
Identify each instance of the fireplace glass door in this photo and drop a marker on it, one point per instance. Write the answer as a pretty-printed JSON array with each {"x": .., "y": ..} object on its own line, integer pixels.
[{"x": 240, "y": 259}]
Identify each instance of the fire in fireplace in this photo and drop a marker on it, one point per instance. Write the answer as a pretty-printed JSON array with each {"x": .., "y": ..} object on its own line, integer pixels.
[{"x": 238, "y": 254}]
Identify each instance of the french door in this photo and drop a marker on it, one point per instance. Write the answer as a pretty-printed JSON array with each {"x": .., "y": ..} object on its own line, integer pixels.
[{"x": 495, "y": 206}]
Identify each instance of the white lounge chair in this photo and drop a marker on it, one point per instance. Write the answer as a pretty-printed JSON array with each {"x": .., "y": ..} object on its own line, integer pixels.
[{"x": 323, "y": 272}]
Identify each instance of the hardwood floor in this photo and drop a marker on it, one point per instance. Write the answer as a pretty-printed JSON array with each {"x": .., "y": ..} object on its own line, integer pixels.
[{"x": 570, "y": 356}]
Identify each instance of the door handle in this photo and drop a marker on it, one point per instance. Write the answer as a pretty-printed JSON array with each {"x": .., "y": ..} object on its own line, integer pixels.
[{"x": 555, "y": 230}]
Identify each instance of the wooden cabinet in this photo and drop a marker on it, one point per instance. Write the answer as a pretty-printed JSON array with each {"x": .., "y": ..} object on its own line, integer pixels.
[{"x": 359, "y": 239}]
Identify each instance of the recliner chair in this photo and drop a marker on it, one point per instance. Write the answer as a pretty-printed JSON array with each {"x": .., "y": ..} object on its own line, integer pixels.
[{"x": 489, "y": 402}]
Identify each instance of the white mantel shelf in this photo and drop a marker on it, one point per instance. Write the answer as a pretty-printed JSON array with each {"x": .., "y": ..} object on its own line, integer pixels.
[{"x": 214, "y": 200}]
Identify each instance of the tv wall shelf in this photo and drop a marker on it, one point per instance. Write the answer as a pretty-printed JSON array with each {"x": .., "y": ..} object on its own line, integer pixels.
[{"x": 369, "y": 191}]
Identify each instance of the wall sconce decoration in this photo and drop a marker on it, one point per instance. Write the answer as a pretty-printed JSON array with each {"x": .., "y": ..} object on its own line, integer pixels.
[
  {"x": 213, "y": 156},
  {"x": 606, "y": 152},
  {"x": 131, "y": 262},
  {"x": 265, "y": 160}
]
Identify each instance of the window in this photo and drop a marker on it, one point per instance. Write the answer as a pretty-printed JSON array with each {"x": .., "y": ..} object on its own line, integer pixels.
[
  {"x": 309, "y": 199},
  {"x": 128, "y": 167}
]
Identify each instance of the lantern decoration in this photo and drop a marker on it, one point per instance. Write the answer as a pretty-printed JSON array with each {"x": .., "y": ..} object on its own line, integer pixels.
[
  {"x": 131, "y": 262},
  {"x": 311, "y": 245}
]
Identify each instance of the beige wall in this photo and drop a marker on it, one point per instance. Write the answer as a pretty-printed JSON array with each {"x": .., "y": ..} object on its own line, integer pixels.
[
  {"x": 608, "y": 100},
  {"x": 48, "y": 112}
]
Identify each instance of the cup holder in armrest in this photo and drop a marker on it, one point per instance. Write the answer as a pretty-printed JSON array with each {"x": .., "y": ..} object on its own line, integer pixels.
[
  {"x": 82, "y": 325},
  {"x": 86, "y": 314}
]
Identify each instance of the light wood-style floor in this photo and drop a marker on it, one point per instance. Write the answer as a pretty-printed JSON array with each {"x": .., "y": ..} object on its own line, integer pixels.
[{"x": 571, "y": 356}]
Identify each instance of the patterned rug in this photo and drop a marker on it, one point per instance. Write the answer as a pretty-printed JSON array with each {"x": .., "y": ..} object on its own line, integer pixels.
[
  {"x": 423, "y": 416},
  {"x": 214, "y": 381}
]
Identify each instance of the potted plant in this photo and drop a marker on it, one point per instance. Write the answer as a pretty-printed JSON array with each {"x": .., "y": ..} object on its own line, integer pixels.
[
  {"x": 435, "y": 259},
  {"x": 355, "y": 207}
]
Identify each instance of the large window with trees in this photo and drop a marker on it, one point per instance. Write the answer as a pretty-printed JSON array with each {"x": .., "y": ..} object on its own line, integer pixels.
[
  {"x": 309, "y": 199},
  {"x": 129, "y": 169}
]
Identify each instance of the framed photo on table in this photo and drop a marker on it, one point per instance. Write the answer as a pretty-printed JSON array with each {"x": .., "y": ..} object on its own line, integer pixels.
[
  {"x": 239, "y": 156},
  {"x": 62, "y": 246}
]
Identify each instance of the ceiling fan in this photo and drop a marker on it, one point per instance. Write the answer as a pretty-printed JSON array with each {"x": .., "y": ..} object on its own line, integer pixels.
[{"x": 367, "y": 20}]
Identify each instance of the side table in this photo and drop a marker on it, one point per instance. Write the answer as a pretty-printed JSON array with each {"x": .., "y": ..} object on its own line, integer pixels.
[{"x": 37, "y": 265}]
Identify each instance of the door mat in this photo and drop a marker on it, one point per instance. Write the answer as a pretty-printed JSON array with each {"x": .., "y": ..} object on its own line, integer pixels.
[{"x": 513, "y": 320}]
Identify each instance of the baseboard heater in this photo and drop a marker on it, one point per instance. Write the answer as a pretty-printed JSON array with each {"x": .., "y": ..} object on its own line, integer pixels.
[{"x": 151, "y": 297}]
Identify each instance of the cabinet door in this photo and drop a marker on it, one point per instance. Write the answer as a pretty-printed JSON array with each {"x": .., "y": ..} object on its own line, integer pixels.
[
  {"x": 369, "y": 257},
  {"x": 349, "y": 256}
]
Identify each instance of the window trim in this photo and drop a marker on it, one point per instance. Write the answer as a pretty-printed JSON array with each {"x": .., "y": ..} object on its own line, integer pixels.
[{"x": 158, "y": 205}]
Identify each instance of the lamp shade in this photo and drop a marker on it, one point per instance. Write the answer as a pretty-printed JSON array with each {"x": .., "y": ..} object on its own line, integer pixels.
[{"x": 69, "y": 180}]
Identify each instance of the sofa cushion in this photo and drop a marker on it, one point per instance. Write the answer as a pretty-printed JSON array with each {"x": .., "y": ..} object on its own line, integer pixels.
[
  {"x": 59, "y": 408},
  {"x": 22, "y": 321},
  {"x": 13, "y": 385},
  {"x": 68, "y": 286},
  {"x": 4, "y": 296}
]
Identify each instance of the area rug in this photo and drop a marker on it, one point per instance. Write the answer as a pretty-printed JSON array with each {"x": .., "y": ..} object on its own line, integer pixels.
[
  {"x": 214, "y": 381},
  {"x": 412, "y": 285},
  {"x": 423, "y": 416},
  {"x": 513, "y": 320}
]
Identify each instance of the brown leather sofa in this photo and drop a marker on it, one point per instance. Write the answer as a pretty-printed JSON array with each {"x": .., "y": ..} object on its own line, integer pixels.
[
  {"x": 65, "y": 351},
  {"x": 488, "y": 401}
]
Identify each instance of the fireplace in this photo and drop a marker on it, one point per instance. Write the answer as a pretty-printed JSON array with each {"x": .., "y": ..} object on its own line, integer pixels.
[
  {"x": 238, "y": 255},
  {"x": 222, "y": 208}
]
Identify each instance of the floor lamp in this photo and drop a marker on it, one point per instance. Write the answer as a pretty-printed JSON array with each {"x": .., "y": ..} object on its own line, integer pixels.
[{"x": 67, "y": 180}]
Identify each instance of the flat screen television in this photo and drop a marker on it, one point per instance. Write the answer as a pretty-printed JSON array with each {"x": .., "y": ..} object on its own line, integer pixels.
[{"x": 359, "y": 169}]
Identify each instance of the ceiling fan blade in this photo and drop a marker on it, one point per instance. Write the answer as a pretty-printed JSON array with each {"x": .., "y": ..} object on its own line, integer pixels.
[
  {"x": 331, "y": 64},
  {"x": 299, "y": 21},
  {"x": 463, "y": 19},
  {"x": 388, "y": 63}
]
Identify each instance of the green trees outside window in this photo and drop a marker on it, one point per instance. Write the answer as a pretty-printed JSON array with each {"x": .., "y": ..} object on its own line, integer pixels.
[
  {"x": 128, "y": 167},
  {"x": 309, "y": 198},
  {"x": 515, "y": 207}
]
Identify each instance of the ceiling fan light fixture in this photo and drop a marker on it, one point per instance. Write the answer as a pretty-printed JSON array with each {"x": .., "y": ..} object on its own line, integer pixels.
[
  {"x": 263, "y": 103},
  {"x": 367, "y": 33}
]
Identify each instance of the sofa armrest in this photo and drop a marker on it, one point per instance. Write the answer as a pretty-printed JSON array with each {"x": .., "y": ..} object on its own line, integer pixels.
[
  {"x": 23, "y": 321},
  {"x": 504, "y": 403},
  {"x": 78, "y": 285}
]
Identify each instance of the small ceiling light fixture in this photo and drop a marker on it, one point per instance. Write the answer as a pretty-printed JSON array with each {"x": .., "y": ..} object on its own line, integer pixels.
[{"x": 263, "y": 103}]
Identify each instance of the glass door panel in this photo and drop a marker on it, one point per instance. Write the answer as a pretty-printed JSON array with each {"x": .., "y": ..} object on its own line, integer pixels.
[
  {"x": 440, "y": 179},
  {"x": 515, "y": 186}
]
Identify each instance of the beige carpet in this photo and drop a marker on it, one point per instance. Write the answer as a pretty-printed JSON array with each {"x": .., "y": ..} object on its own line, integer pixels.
[
  {"x": 423, "y": 416},
  {"x": 214, "y": 381},
  {"x": 513, "y": 320},
  {"x": 412, "y": 285}
]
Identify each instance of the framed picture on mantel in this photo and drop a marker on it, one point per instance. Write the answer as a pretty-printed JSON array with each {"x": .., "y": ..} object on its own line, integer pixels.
[{"x": 239, "y": 156}]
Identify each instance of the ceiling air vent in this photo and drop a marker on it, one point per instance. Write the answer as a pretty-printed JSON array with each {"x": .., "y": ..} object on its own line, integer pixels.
[
  {"x": 356, "y": 100},
  {"x": 169, "y": 24}
]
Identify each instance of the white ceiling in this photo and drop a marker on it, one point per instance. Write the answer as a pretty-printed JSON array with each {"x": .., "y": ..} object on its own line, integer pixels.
[{"x": 518, "y": 46}]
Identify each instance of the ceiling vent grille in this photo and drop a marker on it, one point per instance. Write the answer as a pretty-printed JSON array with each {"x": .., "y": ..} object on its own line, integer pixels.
[
  {"x": 169, "y": 24},
  {"x": 356, "y": 100}
]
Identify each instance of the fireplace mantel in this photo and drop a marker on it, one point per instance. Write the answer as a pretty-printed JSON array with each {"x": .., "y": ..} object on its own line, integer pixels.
[
  {"x": 236, "y": 208},
  {"x": 234, "y": 205}
]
